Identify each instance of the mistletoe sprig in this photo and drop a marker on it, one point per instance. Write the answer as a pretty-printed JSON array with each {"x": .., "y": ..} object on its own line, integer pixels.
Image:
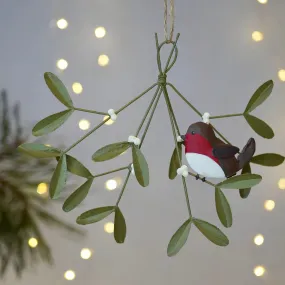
[{"x": 138, "y": 166}]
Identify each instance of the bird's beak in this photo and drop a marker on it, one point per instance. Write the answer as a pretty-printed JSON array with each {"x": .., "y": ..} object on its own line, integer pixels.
[{"x": 183, "y": 137}]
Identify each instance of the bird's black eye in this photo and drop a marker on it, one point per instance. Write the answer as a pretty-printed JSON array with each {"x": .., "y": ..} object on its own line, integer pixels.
[{"x": 193, "y": 133}]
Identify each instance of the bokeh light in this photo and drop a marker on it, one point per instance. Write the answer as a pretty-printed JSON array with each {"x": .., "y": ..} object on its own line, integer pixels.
[
  {"x": 62, "y": 24},
  {"x": 103, "y": 60},
  {"x": 111, "y": 184},
  {"x": 42, "y": 188},
  {"x": 84, "y": 124},
  {"x": 69, "y": 275},
  {"x": 85, "y": 253},
  {"x": 262, "y": 1},
  {"x": 77, "y": 88},
  {"x": 269, "y": 205},
  {"x": 109, "y": 122},
  {"x": 109, "y": 228},
  {"x": 281, "y": 74},
  {"x": 100, "y": 32},
  {"x": 33, "y": 242},
  {"x": 259, "y": 239},
  {"x": 257, "y": 36},
  {"x": 62, "y": 64},
  {"x": 259, "y": 271}
]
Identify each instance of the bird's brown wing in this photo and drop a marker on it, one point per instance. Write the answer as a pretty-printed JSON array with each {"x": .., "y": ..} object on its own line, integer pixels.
[{"x": 225, "y": 151}]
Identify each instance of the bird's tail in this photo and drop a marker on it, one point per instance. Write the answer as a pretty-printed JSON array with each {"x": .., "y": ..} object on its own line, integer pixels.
[{"x": 247, "y": 153}]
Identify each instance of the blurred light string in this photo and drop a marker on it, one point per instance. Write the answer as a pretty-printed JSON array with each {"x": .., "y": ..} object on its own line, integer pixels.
[{"x": 168, "y": 36}]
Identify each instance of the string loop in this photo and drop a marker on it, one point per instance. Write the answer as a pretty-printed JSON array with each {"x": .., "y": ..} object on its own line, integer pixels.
[{"x": 169, "y": 13}]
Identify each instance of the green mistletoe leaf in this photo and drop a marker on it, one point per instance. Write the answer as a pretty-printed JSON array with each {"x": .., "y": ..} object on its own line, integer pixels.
[
  {"x": 95, "y": 215},
  {"x": 259, "y": 126},
  {"x": 58, "y": 89},
  {"x": 120, "y": 229},
  {"x": 39, "y": 150},
  {"x": 76, "y": 167},
  {"x": 241, "y": 181},
  {"x": 179, "y": 239},
  {"x": 175, "y": 162},
  {"x": 77, "y": 196},
  {"x": 58, "y": 179},
  {"x": 223, "y": 208},
  {"x": 245, "y": 192},
  {"x": 110, "y": 151},
  {"x": 211, "y": 232},
  {"x": 259, "y": 96},
  {"x": 51, "y": 123},
  {"x": 140, "y": 167},
  {"x": 268, "y": 159}
]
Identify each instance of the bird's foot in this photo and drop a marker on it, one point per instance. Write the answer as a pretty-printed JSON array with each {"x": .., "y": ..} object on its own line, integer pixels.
[
  {"x": 204, "y": 179},
  {"x": 197, "y": 177}
]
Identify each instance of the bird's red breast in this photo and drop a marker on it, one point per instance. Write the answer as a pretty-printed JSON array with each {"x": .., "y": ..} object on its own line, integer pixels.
[{"x": 198, "y": 144}]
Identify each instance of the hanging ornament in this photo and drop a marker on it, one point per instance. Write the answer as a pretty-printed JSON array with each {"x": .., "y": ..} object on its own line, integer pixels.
[{"x": 208, "y": 152}]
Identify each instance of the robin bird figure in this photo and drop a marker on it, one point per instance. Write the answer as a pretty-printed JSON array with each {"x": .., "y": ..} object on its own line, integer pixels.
[{"x": 210, "y": 157}]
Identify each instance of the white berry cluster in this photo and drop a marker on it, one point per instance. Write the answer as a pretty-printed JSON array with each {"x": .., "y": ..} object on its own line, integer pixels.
[
  {"x": 183, "y": 170},
  {"x": 112, "y": 114},
  {"x": 206, "y": 118},
  {"x": 134, "y": 140}
]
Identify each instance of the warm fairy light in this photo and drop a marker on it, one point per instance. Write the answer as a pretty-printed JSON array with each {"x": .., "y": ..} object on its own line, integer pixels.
[
  {"x": 269, "y": 205},
  {"x": 281, "y": 183},
  {"x": 62, "y": 24},
  {"x": 69, "y": 275},
  {"x": 109, "y": 122},
  {"x": 42, "y": 188},
  {"x": 77, "y": 88},
  {"x": 85, "y": 253},
  {"x": 109, "y": 228},
  {"x": 281, "y": 74},
  {"x": 257, "y": 36},
  {"x": 111, "y": 184},
  {"x": 103, "y": 60},
  {"x": 258, "y": 239},
  {"x": 33, "y": 242},
  {"x": 259, "y": 271},
  {"x": 84, "y": 124},
  {"x": 262, "y": 1},
  {"x": 100, "y": 32},
  {"x": 62, "y": 64}
]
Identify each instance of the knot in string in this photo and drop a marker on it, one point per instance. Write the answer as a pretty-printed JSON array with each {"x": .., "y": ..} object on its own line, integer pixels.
[{"x": 162, "y": 79}]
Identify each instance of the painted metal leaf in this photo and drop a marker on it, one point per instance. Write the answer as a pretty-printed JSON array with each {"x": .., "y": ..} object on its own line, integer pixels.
[
  {"x": 175, "y": 162},
  {"x": 58, "y": 89},
  {"x": 140, "y": 167},
  {"x": 76, "y": 167},
  {"x": 77, "y": 196},
  {"x": 211, "y": 232},
  {"x": 95, "y": 215},
  {"x": 110, "y": 151},
  {"x": 259, "y": 126},
  {"x": 223, "y": 208},
  {"x": 259, "y": 96},
  {"x": 245, "y": 192},
  {"x": 246, "y": 180},
  {"x": 39, "y": 150},
  {"x": 268, "y": 159},
  {"x": 120, "y": 229},
  {"x": 58, "y": 179},
  {"x": 179, "y": 239},
  {"x": 51, "y": 123}
]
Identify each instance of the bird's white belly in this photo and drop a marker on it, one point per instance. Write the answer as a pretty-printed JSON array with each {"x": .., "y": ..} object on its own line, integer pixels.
[{"x": 204, "y": 165}]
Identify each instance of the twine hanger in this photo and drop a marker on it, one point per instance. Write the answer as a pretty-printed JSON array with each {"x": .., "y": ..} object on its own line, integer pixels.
[{"x": 169, "y": 14}]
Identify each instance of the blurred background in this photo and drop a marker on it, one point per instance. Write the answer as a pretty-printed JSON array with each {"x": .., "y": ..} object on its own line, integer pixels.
[{"x": 104, "y": 51}]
